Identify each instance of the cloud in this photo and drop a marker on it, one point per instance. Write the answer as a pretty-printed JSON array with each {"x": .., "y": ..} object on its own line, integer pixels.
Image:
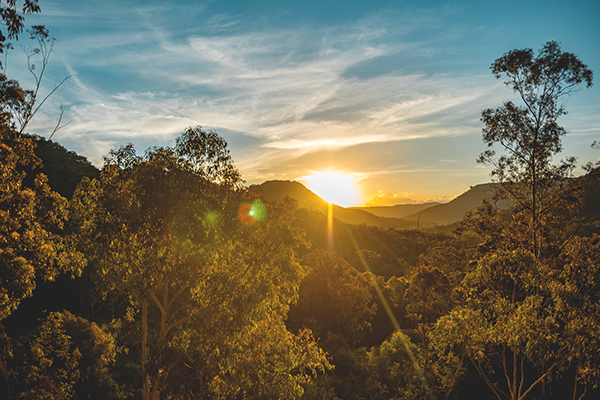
[{"x": 297, "y": 90}]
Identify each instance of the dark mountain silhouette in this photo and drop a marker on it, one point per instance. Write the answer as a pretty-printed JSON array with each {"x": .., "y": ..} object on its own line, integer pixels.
[
  {"x": 397, "y": 211},
  {"x": 408, "y": 216},
  {"x": 279, "y": 190},
  {"x": 454, "y": 210},
  {"x": 64, "y": 168}
]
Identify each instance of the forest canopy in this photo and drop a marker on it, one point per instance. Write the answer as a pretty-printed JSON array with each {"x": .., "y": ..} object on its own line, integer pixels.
[{"x": 162, "y": 276}]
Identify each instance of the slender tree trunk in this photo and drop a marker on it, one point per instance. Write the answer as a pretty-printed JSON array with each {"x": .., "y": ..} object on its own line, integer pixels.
[
  {"x": 145, "y": 387},
  {"x": 155, "y": 393},
  {"x": 534, "y": 205},
  {"x": 162, "y": 336},
  {"x": 515, "y": 375},
  {"x": 429, "y": 373}
]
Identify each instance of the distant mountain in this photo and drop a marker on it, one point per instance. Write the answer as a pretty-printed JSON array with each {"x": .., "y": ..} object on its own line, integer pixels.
[
  {"x": 397, "y": 211},
  {"x": 279, "y": 190},
  {"x": 454, "y": 210},
  {"x": 407, "y": 216}
]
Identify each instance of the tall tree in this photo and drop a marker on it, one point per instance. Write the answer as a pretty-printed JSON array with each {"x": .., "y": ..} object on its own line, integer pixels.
[
  {"x": 35, "y": 244},
  {"x": 34, "y": 240},
  {"x": 512, "y": 319},
  {"x": 428, "y": 297},
  {"x": 530, "y": 136},
  {"x": 201, "y": 263}
]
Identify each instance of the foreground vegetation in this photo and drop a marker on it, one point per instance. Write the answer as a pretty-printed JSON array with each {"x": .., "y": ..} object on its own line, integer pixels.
[{"x": 161, "y": 276}]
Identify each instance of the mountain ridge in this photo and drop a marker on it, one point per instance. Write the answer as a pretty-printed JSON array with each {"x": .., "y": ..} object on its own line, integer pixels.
[
  {"x": 278, "y": 190},
  {"x": 402, "y": 216}
]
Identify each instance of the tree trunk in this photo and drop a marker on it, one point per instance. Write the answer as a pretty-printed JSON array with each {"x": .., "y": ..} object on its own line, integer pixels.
[{"x": 145, "y": 387}]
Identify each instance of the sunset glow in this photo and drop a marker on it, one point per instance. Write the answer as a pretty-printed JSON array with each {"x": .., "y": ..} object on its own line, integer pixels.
[{"x": 334, "y": 188}]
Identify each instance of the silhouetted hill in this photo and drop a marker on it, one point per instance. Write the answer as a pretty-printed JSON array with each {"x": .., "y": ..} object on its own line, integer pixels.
[
  {"x": 64, "y": 168},
  {"x": 456, "y": 209},
  {"x": 279, "y": 190},
  {"x": 397, "y": 211},
  {"x": 399, "y": 216}
]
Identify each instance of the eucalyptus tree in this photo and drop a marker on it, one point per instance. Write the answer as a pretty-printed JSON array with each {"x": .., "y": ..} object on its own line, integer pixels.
[
  {"x": 530, "y": 136},
  {"x": 205, "y": 267},
  {"x": 517, "y": 320},
  {"x": 35, "y": 244}
]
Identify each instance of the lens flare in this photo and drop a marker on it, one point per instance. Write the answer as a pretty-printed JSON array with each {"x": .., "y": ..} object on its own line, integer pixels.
[
  {"x": 211, "y": 218},
  {"x": 251, "y": 213},
  {"x": 259, "y": 210}
]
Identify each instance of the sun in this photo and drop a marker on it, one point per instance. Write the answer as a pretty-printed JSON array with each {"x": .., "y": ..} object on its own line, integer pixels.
[{"x": 333, "y": 187}]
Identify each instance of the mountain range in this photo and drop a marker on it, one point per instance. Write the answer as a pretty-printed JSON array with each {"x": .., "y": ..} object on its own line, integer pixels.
[{"x": 404, "y": 216}]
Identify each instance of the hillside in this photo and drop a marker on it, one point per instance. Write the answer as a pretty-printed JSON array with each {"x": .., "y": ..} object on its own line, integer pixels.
[
  {"x": 279, "y": 190},
  {"x": 407, "y": 216},
  {"x": 397, "y": 211},
  {"x": 64, "y": 168},
  {"x": 454, "y": 210}
]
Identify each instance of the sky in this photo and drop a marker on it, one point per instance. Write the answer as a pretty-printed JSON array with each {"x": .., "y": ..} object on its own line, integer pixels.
[{"x": 387, "y": 92}]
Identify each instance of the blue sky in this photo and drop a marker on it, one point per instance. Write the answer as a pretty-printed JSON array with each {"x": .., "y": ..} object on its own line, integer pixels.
[{"x": 388, "y": 91}]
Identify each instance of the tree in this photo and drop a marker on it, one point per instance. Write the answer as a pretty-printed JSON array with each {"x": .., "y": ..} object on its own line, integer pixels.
[
  {"x": 506, "y": 321},
  {"x": 399, "y": 370},
  {"x": 200, "y": 261},
  {"x": 512, "y": 320},
  {"x": 19, "y": 106},
  {"x": 530, "y": 136},
  {"x": 13, "y": 17},
  {"x": 65, "y": 357},
  {"x": 577, "y": 296},
  {"x": 333, "y": 297},
  {"x": 428, "y": 297},
  {"x": 35, "y": 241},
  {"x": 34, "y": 245}
]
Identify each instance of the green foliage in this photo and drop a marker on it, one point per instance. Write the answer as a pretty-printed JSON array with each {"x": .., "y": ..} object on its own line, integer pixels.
[
  {"x": 577, "y": 298},
  {"x": 531, "y": 136},
  {"x": 207, "y": 155},
  {"x": 392, "y": 370},
  {"x": 34, "y": 240},
  {"x": 428, "y": 298},
  {"x": 35, "y": 244},
  {"x": 428, "y": 295},
  {"x": 392, "y": 291},
  {"x": 66, "y": 357},
  {"x": 399, "y": 369},
  {"x": 452, "y": 260},
  {"x": 12, "y": 14},
  {"x": 64, "y": 168},
  {"x": 388, "y": 252},
  {"x": 260, "y": 361},
  {"x": 519, "y": 319},
  {"x": 208, "y": 268},
  {"x": 333, "y": 297}
]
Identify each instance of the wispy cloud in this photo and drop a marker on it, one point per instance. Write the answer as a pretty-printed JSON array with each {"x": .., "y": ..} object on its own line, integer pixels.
[
  {"x": 288, "y": 87},
  {"x": 281, "y": 95}
]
